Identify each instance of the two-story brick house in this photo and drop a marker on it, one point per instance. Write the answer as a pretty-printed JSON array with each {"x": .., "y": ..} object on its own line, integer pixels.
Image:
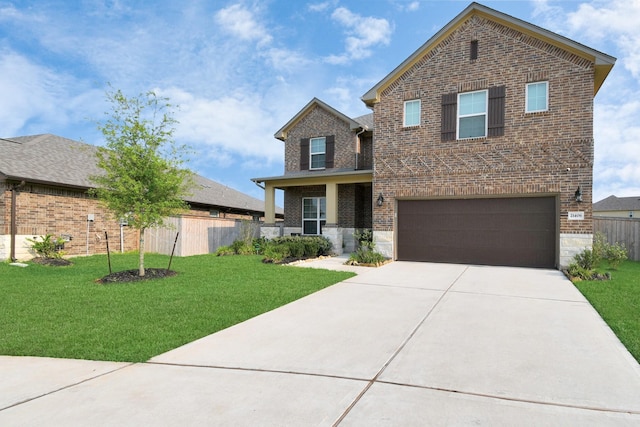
[
  {"x": 483, "y": 145},
  {"x": 328, "y": 176}
]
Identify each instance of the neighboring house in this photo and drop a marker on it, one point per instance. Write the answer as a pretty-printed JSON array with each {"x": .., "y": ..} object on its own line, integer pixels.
[
  {"x": 48, "y": 177},
  {"x": 619, "y": 207},
  {"x": 482, "y": 148}
]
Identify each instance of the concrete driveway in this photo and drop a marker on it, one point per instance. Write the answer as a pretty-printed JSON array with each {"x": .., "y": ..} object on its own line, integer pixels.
[{"x": 401, "y": 345}]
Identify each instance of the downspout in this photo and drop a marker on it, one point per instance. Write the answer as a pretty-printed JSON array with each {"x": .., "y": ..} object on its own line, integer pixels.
[
  {"x": 364, "y": 128},
  {"x": 14, "y": 226}
]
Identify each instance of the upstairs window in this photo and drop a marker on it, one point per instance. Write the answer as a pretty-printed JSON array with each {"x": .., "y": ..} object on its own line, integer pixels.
[
  {"x": 537, "y": 97},
  {"x": 317, "y": 152},
  {"x": 314, "y": 215},
  {"x": 412, "y": 113},
  {"x": 472, "y": 114}
]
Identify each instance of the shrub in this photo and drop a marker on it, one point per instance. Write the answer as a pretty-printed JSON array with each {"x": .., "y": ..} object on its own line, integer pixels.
[
  {"x": 296, "y": 248},
  {"x": 259, "y": 244},
  {"x": 276, "y": 253},
  {"x": 577, "y": 271},
  {"x": 600, "y": 245},
  {"x": 366, "y": 253},
  {"x": 224, "y": 251},
  {"x": 281, "y": 248},
  {"x": 365, "y": 256},
  {"x": 48, "y": 247},
  {"x": 602, "y": 250},
  {"x": 311, "y": 247},
  {"x": 241, "y": 247},
  {"x": 586, "y": 259},
  {"x": 615, "y": 255}
]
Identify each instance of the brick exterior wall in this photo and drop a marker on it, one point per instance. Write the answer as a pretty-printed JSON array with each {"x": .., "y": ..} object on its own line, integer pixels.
[
  {"x": 320, "y": 122},
  {"x": 354, "y": 201},
  {"x": 548, "y": 153},
  {"x": 365, "y": 157},
  {"x": 42, "y": 210},
  {"x": 354, "y": 204}
]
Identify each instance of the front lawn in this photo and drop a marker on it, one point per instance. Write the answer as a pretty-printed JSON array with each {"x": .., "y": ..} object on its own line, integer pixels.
[
  {"x": 62, "y": 312},
  {"x": 618, "y": 302}
]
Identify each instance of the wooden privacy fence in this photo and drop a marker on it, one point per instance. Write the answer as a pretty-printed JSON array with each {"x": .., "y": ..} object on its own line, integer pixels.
[
  {"x": 625, "y": 231},
  {"x": 198, "y": 235}
]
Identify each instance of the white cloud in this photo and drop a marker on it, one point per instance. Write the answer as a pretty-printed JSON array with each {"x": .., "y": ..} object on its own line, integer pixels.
[
  {"x": 30, "y": 94},
  {"x": 617, "y": 160},
  {"x": 219, "y": 129},
  {"x": 616, "y": 21},
  {"x": 240, "y": 22},
  {"x": 320, "y": 7},
  {"x": 413, "y": 6},
  {"x": 363, "y": 33}
]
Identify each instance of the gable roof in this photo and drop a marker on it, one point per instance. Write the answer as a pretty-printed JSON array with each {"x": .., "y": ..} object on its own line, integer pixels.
[
  {"x": 281, "y": 134},
  {"x": 57, "y": 161},
  {"x": 613, "y": 203},
  {"x": 603, "y": 62}
]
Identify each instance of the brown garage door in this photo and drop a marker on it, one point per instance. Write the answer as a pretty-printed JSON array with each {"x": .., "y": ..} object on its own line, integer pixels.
[{"x": 510, "y": 231}]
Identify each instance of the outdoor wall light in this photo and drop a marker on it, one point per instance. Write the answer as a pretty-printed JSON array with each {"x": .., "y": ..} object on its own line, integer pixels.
[
  {"x": 578, "y": 194},
  {"x": 380, "y": 200}
]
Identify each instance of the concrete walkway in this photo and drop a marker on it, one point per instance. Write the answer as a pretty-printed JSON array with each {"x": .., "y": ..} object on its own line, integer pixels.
[{"x": 407, "y": 344}]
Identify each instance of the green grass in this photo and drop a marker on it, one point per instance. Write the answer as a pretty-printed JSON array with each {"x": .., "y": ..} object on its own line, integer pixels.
[
  {"x": 62, "y": 312},
  {"x": 618, "y": 302}
]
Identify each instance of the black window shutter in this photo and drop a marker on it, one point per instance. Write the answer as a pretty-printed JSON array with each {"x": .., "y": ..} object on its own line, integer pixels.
[
  {"x": 449, "y": 114},
  {"x": 304, "y": 154},
  {"x": 496, "y": 111},
  {"x": 330, "y": 149}
]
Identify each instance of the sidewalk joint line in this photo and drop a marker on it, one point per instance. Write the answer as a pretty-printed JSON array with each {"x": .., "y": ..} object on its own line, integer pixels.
[
  {"x": 265, "y": 370},
  {"x": 398, "y": 350},
  {"x": 66, "y": 387},
  {"x": 514, "y": 399}
]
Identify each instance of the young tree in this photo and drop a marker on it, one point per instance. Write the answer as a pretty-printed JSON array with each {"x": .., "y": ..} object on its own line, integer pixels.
[{"x": 144, "y": 180}]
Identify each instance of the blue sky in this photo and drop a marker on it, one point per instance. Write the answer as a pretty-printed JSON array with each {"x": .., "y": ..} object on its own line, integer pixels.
[{"x": 239, "y": 70}]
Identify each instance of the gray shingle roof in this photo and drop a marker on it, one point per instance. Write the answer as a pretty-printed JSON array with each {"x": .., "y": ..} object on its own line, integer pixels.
[
  {"x": 55, "y": 160},
  {"x": 613, "y": 203},
  {"x": 48, "y": 159},
  {"x": 366, "y": 121}
]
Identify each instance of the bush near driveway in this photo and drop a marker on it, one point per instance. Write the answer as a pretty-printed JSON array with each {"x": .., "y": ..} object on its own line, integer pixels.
[{"x": 62, "y": 312}]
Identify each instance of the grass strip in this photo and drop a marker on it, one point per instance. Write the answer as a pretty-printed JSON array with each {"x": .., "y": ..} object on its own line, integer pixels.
[
  {"x": 618, "y": 303},
  {"x": 62, "y": 311}
]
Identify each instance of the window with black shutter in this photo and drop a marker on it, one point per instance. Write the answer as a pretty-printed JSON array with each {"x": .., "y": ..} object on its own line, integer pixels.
[{"x": 495, "y": 112}]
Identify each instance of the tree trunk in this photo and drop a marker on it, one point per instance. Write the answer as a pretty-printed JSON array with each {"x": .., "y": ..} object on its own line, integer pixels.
[{"x": 141, "y": 252}]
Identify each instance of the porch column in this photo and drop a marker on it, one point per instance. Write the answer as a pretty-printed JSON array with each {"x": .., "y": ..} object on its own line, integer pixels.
[
  {"x": 332, "y": 203},
  {"x": 269, "y": 204}
]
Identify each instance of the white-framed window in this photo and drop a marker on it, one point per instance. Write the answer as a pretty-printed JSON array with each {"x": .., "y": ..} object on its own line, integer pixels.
[
  {"x": 537, "y": 97},
  {"x": 411, "y": 113},
  {"x": 472, "y": 114},
  {"x": 214, "y": 213},
  {"x": 317, "y": 152},
  {"x": 630, "y": 214},
  {"x": 314, "y": 215}
]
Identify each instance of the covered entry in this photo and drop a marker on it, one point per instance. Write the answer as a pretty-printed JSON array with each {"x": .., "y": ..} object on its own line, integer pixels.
[{"x": 507, "y": 231}]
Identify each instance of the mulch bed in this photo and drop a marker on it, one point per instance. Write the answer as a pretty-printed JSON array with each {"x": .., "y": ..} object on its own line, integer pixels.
[{"x": 132, "y": 275}]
